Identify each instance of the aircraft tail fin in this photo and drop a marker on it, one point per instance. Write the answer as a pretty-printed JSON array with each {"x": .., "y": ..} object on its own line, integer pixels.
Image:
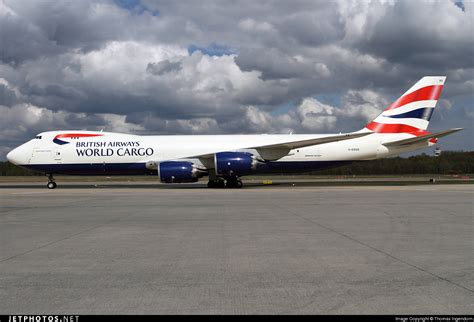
[{"x": 411, "y": 112}]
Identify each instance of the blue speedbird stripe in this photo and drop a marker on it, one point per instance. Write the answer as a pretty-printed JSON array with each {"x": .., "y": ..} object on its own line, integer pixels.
[
  {"x": 421, "y": 113},
  {"x": 60, "y": 142}
]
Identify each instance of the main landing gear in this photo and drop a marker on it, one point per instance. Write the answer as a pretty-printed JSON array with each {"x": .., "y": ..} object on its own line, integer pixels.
[
  {"x": 51, "y": 184},
  {"x": 229, "y": 182},
  {"x": 234, "y": 182}
]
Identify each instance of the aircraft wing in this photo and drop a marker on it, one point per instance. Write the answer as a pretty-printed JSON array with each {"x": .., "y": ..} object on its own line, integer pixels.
[
  {"x": 276, "y": 151},
  {"x": 303, "y": 143},
  {"x": 279, "y": 150},
  {"x": 422, "y": 138}
]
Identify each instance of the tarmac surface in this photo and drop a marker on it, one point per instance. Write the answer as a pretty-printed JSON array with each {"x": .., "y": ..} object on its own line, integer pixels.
[{"x": 258, "y": 250}]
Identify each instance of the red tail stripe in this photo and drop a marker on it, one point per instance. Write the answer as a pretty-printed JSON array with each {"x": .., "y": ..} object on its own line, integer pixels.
[
  {"x": 393, "y": 128},
  {"x": 426, "y": 93},
  {"x": 75, "y": 135}
]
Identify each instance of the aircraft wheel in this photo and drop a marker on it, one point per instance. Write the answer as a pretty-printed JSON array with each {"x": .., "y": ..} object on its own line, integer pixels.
[
  {"x": 239, "y": 184},
  {"x": 234, "y": 183},
  {"x": 51, "y": 185},
  {"x": 212, "y": 184},
  {"x": 218, "y": 183}
]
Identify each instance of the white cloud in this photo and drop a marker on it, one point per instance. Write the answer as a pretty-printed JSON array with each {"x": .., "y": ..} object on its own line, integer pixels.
[
  {"x": 6, "y": 11},
  {"x": 364, "y": 103},
  {"x": 124, "y": 61},
  {"x": 22, "y": 120},
  {"x": 118, "y": 123},
  {"x": 315, "y": 115},
  {"x": 250, "y": 25},
  {"x": 322, "y": 70}
]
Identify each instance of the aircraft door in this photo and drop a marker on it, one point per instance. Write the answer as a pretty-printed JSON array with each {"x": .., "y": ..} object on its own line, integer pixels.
[{"x": 39, "y": 155}]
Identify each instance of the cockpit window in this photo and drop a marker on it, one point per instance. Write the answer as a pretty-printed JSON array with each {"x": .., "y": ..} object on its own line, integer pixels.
[{"x": 38, "y": 137}]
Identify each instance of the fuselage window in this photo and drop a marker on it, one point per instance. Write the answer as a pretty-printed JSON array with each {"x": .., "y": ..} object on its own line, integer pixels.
[{"x": 38, "y": 137}]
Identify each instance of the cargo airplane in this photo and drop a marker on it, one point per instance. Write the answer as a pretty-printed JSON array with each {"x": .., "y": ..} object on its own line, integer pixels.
[{"x": 226, "y": 158}]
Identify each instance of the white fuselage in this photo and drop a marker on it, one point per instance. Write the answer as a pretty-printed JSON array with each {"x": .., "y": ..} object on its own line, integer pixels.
[{"x": 115, "y": 148}]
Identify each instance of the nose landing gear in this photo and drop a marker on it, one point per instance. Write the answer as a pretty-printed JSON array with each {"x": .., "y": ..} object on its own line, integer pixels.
[{"x": 51, "y": 184}]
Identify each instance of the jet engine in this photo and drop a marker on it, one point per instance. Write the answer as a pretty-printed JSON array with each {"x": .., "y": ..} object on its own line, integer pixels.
[
  {"x": 178, "y": 171},
  {"x": 235, "y": 163}
]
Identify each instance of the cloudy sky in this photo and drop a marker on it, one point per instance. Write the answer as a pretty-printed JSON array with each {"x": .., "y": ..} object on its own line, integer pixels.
[{"x": 211, "y": 67}]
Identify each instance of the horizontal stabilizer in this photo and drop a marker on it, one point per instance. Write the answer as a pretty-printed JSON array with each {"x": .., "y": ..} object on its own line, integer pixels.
[{"x": 422, "y": 138}]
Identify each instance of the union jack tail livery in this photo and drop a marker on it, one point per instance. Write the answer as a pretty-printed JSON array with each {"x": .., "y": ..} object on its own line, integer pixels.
[{"x": 410, "y": 113}]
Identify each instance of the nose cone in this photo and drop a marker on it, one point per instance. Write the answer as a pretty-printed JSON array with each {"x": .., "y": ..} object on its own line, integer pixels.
[
  {"x": 10, "y": 156},
  {"x": 18, "y": 155}
]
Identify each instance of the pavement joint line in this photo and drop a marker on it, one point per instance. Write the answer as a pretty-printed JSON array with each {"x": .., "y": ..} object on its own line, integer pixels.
[
  {"x": 67, "y": 204},
  {"x": 26, "y": 193},
  {"x": 373, "y": 248},
  {"x": 63, "y": 239}
]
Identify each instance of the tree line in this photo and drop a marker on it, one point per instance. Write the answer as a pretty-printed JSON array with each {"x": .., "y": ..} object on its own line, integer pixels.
[{"x": 449, "y": 162}]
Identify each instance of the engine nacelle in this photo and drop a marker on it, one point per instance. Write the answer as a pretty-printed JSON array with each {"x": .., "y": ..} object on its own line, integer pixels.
[
  {"x": 179, "y": 172},
  {"x": 235, "y": 163}
]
